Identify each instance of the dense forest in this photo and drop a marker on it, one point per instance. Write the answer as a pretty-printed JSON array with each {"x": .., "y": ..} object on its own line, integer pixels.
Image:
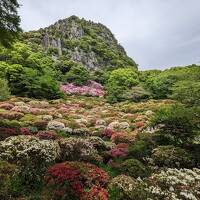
[{"x": 79, "y": 120}]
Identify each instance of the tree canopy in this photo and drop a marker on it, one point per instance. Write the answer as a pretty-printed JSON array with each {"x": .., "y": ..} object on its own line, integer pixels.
[{"x": 9, "y": 21}]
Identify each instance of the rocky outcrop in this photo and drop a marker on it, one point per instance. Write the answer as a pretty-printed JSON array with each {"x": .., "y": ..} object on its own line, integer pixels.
[{"x": 85, "y": 42}]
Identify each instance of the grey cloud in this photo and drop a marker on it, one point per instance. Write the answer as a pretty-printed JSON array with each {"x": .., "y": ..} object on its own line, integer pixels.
[{"x": 156, "y": 34}]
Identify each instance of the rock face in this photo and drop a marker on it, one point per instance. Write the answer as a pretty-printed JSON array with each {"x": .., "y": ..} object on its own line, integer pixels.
[{"x": 85, "y": 42}]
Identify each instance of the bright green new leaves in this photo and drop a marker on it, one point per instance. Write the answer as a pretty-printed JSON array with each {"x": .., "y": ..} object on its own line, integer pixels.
[{"x": 120, "y": 82}]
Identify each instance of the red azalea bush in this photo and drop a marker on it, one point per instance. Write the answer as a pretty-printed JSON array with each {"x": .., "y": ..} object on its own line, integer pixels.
[
  {"x": 92, "y": 89},
  {"x": 47, "y": 135},
  {"x": 73, "y": 178},
  {"x": 25, "y": 131},
  {"x": 6, "y": 106},
  {"x": 139, "y": 124},
  {"x": 96, "y": 193},
  {"x": 121, "y": 137},
  {"x": 7, "y": 132}
]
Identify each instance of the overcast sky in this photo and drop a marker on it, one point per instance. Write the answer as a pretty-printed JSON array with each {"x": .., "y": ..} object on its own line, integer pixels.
[{"x": 155, "y": 33}]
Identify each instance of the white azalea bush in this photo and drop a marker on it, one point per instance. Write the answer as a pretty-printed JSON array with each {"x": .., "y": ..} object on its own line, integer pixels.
[
  {"x": 175, "y": 184},
  {"x": 171, "y": 184},
  {"x": 78, "y": 149},
  {"x": 31, "y": 154},
  {"x": 121, "y": 187}
]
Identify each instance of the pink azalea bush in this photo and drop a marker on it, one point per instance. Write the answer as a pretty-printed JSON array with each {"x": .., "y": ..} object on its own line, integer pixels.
[
  {"x": 119, "y": 151},
  {"x": 6, "y": 106},
  {"x": 91, "y": 89}
]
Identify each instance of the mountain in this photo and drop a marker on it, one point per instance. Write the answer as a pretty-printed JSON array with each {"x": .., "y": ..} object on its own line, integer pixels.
[{"x": 91, "y": 44}]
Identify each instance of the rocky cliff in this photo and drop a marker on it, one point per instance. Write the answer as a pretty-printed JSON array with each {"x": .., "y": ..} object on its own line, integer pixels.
[{"x": 91, "y": 44}]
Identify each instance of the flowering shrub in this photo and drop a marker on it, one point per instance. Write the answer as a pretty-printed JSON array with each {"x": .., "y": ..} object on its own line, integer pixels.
[
  {"x": 23, "y": 109},
  {"x": 25, "y": 131},
  {"x": 97, "y": 143},
  {"x": 7, "y": 132},
  {"x": 77, "y": 149},
  {"x": 40, "y": 124},
  {"x": 30, "y": 153},
  {"x": 139, "y": 124},
  {"x": 96, "y": 193},
  {"x": 71, "y": 179},
  {"x": 11, "y": 115},
  {"x": 6, "y": 106},
  {"x": 108, "y": 132},
  {"x": 171, "y": 184},
  {"x": 36, "y": 111},
  {"x": 171, "y": 156},
  {"x": 55, "y": 125},
  {"x": 122, "y": 187},
  {"x": 175, "y": 184},
  {"x": 122, "y": 137},
  {"x": 47, "y": 135},
  {"x": 119, "y": 152},
  {"x": 91, "y": 89}
]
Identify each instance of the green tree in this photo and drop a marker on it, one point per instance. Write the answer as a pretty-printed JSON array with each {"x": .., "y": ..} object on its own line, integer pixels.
[
  {"x": 187, "y": 92},
  {"x": 4, "y": 90},
  {"x": 120, "y": 82},
  {"x": 178, "y": 125},
  {"x": 78, "y": 75},
  {"x": 32, "y": 84},
  {"x": 9, "y": 21}
]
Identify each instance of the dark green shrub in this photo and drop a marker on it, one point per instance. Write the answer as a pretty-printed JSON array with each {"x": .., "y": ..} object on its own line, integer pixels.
[
  {"x": 78, "y": 75},
  {"x": 177, "y": 124},
  {"x": 139, "y": 93},
  {"x": 170, "y": 156},
  {"x": 187, "y": 92},
  {"x": 8, "y": 180},
  {"x": 32, "y": 84},
  {"x": 142, "y": 147},
  {"x": 160, "y": 86},
  {"x": 4, "y": 90},
  {"x": 133, "y": 168}
]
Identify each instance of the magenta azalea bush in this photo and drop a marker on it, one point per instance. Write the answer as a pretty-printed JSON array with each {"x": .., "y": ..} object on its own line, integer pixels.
[{"x": 91, "y": 89}]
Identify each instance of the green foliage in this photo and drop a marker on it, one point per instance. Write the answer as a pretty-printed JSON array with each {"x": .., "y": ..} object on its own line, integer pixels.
[
  {"x": 78, "y": 75},
  {"x": 133, "y": 168},
  {"x": 101, "y": 76},
  {"x": 64, "y": 65},
  {"x": 145, "y": 75},
  {"x": 38, "y": 86},
  {"x": 115, "y": 193},
  {"x": 9, "y": 21},
  {"x": 160, "y": 86},
  {"x": 142, "y": 147},
  {"x": 179, "y": 125},
  {"x": 120, "y": 82},
  {"x": 4, "y": 90},
  {"x": 97, "y": 41},
  {"x": 29, "y": 73},
  {"x": 187, "y": 92},
  {"x": 137, "y": 94},
  {"x": 160, "y": 83},
  {"x": 170, "y": 156},
  {"x": 8, "y": 180}
]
